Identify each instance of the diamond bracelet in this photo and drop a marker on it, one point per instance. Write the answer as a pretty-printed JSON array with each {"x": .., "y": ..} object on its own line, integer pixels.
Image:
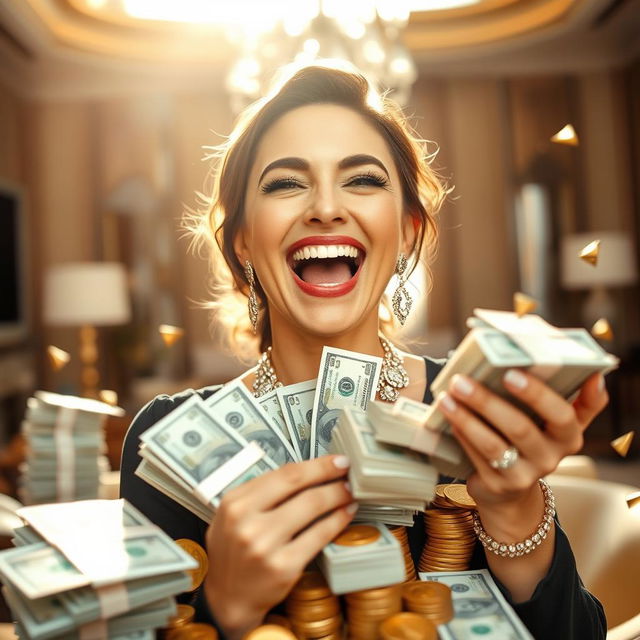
[{"x": 516, "y": 549}]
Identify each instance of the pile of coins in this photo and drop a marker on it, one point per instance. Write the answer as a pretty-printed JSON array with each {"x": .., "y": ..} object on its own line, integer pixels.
[
  {"x": 449, "y": 527},
  {"x": 312, "y": 610},
  {"x": 407, "y": 626},
  {"x": 367, "y": 609},
  {"x": 268, "y": 631},
  {"x": 431, "y": 599},
  {"x": 193, "y": 631},
  {"x": 183, "y": 617},
  {"x": 200, "y": 556},
  {"x": 400, "y": 533}
]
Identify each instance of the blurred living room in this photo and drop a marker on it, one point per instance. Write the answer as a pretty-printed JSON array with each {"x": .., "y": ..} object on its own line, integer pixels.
[{"x": 110, "y": 115}]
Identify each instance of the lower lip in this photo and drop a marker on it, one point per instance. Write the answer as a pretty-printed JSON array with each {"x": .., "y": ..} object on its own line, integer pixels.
[{"x": 327, "y": 290}]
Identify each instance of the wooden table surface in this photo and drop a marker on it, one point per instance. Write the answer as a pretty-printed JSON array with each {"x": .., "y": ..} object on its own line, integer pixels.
[{"x": 6, "y": 631}]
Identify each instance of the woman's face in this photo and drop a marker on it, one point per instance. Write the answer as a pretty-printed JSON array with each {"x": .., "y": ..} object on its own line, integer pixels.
[{"x": 324, "y": 221}]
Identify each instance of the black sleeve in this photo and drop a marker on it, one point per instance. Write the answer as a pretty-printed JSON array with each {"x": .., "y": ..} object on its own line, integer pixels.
[
  {"x": 171, "y": 517},
  {"x": 560, "y": 608}
]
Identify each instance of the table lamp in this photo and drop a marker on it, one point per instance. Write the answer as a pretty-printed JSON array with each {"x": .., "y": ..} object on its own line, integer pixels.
[
  {"x": 616, "y": 267},
  {"x": 86, "y": 295}
]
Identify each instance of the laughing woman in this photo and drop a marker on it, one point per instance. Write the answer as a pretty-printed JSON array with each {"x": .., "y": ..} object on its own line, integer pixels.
[{"x": 321, "y": 194}]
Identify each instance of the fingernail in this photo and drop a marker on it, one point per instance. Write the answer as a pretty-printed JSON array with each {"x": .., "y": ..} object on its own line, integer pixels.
[
  {"x": 462, "y": 385},
  {"x": 342, "y": 462},
  {"x": 347, "y": 486},
  {"x": 447, "y": 401},
  {"x": 601, "y": 383},
  {"x": 516, "y": 379},
  {"x": 352, "y": 508}
]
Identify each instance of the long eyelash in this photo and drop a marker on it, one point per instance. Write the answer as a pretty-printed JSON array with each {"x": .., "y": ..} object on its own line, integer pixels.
[
  {"x": 280, "y": 183},
  {"x": 370, "y": 178}
]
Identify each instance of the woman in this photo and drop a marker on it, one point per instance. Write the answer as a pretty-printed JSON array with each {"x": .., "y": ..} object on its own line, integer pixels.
[{"x": 324, "y": 167}]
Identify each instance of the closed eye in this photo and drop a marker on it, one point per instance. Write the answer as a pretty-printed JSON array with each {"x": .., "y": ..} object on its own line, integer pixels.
[{"x": 281, "y": 183}]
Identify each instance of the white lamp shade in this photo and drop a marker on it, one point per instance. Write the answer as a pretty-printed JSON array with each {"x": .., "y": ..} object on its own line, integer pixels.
[
  {"x": 616, "y": 265},
  {"x": 93, "y": 293}
]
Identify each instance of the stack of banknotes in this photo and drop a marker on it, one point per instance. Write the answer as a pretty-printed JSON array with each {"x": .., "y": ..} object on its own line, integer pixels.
[
  {"x": 382, "y": 476},
  {"x": 65, "y": 446},
  {"x": 363, "y": 556},
  {"x": 92, "y": 569}
]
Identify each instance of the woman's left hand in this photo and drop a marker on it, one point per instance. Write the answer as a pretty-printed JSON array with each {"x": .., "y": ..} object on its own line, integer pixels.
[{"x": 494, "y": 425}]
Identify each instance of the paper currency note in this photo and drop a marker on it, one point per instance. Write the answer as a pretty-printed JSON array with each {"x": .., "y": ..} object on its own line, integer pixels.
[
  {"x": 234, "y": 406},
  {"x": 270, "y": 403},
  {"x": 345, "y": 379},
  {"x": 480, "y": 608},
  {"x": 296, "y": 401}
]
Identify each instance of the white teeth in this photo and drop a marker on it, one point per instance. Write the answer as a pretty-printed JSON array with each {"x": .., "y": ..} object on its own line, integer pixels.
[{"x": 326, "y": 251}]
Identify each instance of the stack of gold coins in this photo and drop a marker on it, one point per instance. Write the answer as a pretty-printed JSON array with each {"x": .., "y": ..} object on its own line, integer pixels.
[
  {"x": 193, "y": 631},
  {"x": 313, "y": 611},
  {"x": 449, "y": 527},
  {"x": 408, "y": 626},
  {"x": 400, "y": 533},
  {"x": 431, "y": 599},
  {"x": 270, "y": 632},
  {"x": 183, "y": 616},
  {"x": 367, "y": 609},
  {"x": 200, "y": 556}
]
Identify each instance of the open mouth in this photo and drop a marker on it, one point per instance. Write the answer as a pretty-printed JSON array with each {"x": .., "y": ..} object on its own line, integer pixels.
[{"x": 326, "y": 269}]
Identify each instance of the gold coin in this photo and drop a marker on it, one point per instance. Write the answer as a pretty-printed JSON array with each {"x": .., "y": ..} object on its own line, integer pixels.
[
  {"x": 373, "y": 594},
  {"x": 200, "y": 556},
  {"x": 193, "y": 631},
  {"x": 310, "y": 586},
  {"x": 408, "y": 626},
  {"x": 317, "y": 627},
  {"x": 313, "y": 609},
  {"x": 357, "y": 535},
  {"x": 270, "y": 632},
  {"x": 426, "y": 592},
  {"x": 275, "y": 618},
  {"x": 184, "y": 615},
  {"x": 439, "y": 491}
]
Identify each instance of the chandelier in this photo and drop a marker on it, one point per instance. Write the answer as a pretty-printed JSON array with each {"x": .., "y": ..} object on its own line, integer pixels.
[{"x": 364, "y": 32}]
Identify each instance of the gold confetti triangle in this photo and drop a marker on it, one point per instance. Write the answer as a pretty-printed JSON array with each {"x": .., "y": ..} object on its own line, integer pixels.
[
  {"x": 566, "y": 135},
  {"x": 108, "y": 396},
  {"x": 523, "y": 304},
  {"x": 633, "y": 500},
  {"x": 170, "y": 334},
  {"x": 590, "y": 252},
  {"x": 622, "y": 444},
  {"x": 57, "y": 357},
  {"x": 602, "y": 330}
]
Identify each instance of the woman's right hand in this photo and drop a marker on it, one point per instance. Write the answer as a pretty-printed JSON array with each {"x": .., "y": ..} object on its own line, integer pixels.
[{"x": 264, "y": 534}]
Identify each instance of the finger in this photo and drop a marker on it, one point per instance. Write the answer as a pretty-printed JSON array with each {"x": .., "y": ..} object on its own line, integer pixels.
[
  {"x": 516, "y": 427},
  {"x": 270, "y": 489},
  {"x": 591, "y": 400},
  {"x": 297, "y": 513},
  {"x": 310, "y": 542}
]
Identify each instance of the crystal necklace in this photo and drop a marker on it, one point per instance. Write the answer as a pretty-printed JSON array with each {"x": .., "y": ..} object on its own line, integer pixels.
[{"x": 393, "y": 375}]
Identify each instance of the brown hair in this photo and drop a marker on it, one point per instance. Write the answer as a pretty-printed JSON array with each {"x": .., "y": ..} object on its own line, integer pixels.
[{"x": 222, "y": 213}]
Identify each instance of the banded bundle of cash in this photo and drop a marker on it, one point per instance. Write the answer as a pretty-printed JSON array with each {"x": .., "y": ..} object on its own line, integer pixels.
[
  {"x": 363, "y": 556},
  {"x": 477, "y": 605},
  {"x": 381, "y": 475},
  {"x": 94, "y": 568},
  {"x": 500, "y": 340},
  {"x": 65, "y": 443}
]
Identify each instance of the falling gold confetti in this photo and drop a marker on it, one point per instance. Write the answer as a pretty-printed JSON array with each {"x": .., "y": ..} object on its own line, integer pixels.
[
  {"x": 633, "y": 500},
  {"x": 170, "y": 334},
  {"x": 523, "y": 304},
  {"x": 566, "y": 135},
  {"x": 622, "y": 444},
  {"x": 590, "y": 252},
  {"x": 57, "y": 357},
  {"x": 602, "y": 330},
  {"x": 108, "y": 396}
]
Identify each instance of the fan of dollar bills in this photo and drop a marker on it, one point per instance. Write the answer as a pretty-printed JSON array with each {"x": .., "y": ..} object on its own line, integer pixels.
[
  {"x": 65, "y": 446},
  {"x": 93, "y": 568}
]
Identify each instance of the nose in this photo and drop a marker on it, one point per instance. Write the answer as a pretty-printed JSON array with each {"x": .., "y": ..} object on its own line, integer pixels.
[{"x": 326, "y": 206}]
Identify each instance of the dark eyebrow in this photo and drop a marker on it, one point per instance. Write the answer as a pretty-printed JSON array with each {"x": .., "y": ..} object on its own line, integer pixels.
[
  {"x": 360, "y": 159},
  {"x": 285, "y": 163}
]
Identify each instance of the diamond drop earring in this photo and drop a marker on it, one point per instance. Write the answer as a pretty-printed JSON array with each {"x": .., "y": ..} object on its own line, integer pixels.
[
  {"x": 253, "y": 298},
  {"x": 401, "y": 301}
]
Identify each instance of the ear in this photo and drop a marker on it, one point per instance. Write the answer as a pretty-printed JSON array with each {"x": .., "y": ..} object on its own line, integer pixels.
[
  {"x": 240, "y": 245},
  {"x": 410, "y": 227}
]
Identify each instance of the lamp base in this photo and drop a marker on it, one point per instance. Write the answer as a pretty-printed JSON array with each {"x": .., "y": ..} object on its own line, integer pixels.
[{"x": 89, "y": 376}]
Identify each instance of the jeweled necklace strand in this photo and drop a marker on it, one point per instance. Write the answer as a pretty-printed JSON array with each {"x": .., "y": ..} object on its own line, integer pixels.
[{"x": 393, "y": 375}]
